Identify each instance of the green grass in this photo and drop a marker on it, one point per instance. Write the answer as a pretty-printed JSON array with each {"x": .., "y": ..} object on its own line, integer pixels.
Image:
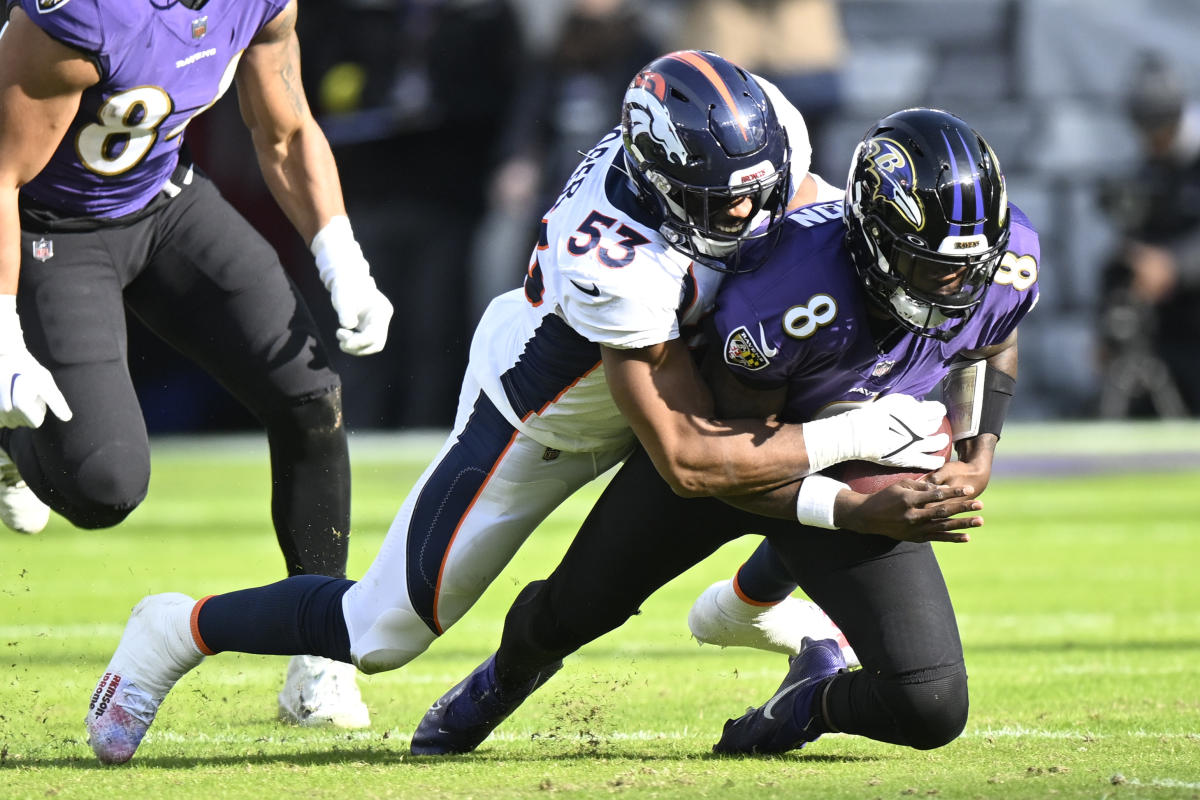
[{"x": 1079, "y": 606}]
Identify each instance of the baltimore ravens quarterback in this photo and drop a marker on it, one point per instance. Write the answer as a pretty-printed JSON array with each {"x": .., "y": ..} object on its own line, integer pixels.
[
  {"x": 564, "y": 374},
  {"x": 924, "y": 275}
]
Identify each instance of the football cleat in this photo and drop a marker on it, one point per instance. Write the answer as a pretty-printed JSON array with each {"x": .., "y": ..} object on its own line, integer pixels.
[
  {"x": 319, "y": 691},
  {"x": 785, "y": 722},
  {"x": 20, "y": 508},
  {"x": 467, "y": 714},
  {"x": 719, "y": 616},
  {"x": 156, "y": 650}
]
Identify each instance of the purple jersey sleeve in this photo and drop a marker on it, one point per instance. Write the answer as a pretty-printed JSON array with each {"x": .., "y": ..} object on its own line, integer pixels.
[
  {"x": 160, "y": 65},
  {"x": 75, "y": 23}
]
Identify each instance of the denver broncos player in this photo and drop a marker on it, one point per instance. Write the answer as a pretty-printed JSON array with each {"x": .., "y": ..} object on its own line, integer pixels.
[
  {"x": 101, "y": 212},
  {"x": 924, "y": 276},
  {"x": 564, "y": 374}
]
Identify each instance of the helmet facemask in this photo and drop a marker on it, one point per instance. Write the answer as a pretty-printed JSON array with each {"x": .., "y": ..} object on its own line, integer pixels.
[
  {"x": 700, "y": 136},
  {"x": 696, "y": 220},
  {"x": 927, "y": 223}
]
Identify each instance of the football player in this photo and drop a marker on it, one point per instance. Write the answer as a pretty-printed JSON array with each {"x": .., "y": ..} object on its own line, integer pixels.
[
  {"x": 565, "y": 374},
  {"x": 102, "y": 212},
  {"x": 923, "y": 274}
]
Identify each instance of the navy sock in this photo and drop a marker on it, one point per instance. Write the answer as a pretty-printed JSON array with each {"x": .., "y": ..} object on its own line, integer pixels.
[
  {"x": 764, "y": 578},
  {"x": 301, "y": 615}
]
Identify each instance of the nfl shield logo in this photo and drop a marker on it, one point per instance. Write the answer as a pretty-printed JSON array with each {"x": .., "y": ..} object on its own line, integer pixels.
[
  {"x": 43, "y": 249},
  {"x": 199, "y": 27},
  {"x": 882, "y": 368}
]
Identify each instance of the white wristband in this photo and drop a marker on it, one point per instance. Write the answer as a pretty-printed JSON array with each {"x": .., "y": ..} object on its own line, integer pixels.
[
  {"x": 337, "y": 253},
  {"x": 828, "y": 441},
  {"x": 814, "y": 503}
]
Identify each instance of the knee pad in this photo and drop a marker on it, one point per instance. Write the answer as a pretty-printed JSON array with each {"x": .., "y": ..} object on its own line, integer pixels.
[
  {"x": 395, "y": 637},
  {"x": 319, "y": 414},
  {"x": 109, "y": 484},
  {"x": 930, "y": 709}
]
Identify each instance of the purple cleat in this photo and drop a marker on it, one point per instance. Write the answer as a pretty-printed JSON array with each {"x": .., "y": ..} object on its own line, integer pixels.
[
  {"x": 783, "y": 722},
  {"x": 467, "y": 714}
]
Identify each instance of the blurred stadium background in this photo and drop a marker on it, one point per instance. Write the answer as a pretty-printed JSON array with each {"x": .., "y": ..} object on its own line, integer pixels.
[{"x": 454, "y": 120}]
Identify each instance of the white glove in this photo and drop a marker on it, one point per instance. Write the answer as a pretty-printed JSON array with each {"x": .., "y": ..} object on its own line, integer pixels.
[
  {"x": 26, "y": 387},
  {"x": 896, "y": 430},
  {"x": 363, "y": 311}
]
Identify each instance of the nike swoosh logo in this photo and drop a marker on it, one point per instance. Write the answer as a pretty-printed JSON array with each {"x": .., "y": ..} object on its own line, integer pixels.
[
  {"x": 594, "y": 290},
  {"x": 912, "y": 436},
  {"x": 769, "y": 352},
  {"x": 779, "y": 696}
]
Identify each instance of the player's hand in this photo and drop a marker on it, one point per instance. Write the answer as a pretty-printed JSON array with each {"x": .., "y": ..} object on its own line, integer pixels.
[
  {"x": 363, "y": 311},
  {"x": 363, "y": 314},
  {"x": 28, "y": 390},
  {"x": 963, "y": 473},
  {"x": 911, "y": 511},
  {"x": 900, "y": 431}
]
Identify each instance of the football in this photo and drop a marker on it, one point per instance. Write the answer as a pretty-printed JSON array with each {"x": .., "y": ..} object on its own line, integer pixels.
[{"x": 868, "y": 477}]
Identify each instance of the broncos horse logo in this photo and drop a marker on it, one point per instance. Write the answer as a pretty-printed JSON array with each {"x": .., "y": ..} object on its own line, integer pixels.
[
  {"x": 890, "y": 177},
  {"x": 650, "y": 123}
]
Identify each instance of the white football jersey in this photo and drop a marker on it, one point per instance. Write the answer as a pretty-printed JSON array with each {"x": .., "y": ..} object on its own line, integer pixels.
[{"x": 601, "y": 274}]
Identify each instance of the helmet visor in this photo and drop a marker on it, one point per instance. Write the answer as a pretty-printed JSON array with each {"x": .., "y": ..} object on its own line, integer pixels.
[{"x": 953, "y": 282}]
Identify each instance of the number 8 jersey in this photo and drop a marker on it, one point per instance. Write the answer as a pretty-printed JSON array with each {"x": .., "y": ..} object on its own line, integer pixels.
[{"x": 159, "y": 67}]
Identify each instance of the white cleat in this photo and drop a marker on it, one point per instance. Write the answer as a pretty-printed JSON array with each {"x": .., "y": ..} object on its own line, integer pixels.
[
  {"x": 319, "y": 691},
  {"x": 156, "y": 650},
  {"x": 722, "y": 618},
  {"x": 20, "y": 508}
]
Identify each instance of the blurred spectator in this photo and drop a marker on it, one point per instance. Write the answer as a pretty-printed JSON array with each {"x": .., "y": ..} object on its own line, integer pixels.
[
  {"x": 412, "y": 95},
  {"x": 1150, "y": 320},
  {"x": 568, "y": 98},
  {"x": 799, "y": 45}
]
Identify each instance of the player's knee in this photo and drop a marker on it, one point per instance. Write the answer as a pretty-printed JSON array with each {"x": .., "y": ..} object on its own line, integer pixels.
[
  {"x": 109, "y": 484},
  {"x": 931, "y": 712},
  {"x": 316, "y": 416},
  {"x": 392, "y": 639}
]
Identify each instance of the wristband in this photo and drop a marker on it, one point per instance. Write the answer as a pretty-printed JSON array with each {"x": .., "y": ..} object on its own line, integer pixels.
[
  {"x": 814, "y": 503},
  {"x": 828, "y": 441},
  {"x": 337, "y": 253},
  {"x": 998, "y": 390},
  {"x": 977, "y": 397}
]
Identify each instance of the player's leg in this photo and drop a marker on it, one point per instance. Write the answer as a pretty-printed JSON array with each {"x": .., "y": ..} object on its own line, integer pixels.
[
  {"x": 94, "y": 469},
  {"x": 215, "y": 290},
  {"x": 755, "y": 608},
  {"x": 890, "y": 599},
  {"x": 638, "y": 536},
  {"x": 488, "y": 489}
]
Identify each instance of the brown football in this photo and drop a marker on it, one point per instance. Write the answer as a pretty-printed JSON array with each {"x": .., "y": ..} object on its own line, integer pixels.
[{"x": 868, "y": 477}]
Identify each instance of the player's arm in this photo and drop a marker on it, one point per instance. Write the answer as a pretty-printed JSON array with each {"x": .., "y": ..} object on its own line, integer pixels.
[
  {"x": 300, "y": 171},
  {"x": 913, "y": 511},
  {"x": 666, "y": 402},
  {"x": 41, "y": 82},
  {"x": 977, "y": 393}
]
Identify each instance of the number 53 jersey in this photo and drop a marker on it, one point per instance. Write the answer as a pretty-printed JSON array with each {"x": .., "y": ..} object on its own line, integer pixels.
[
  {"x": 601, "y": 274},
  {"x": 160, "y": 64},
  {"x": 802, "y": 320}
]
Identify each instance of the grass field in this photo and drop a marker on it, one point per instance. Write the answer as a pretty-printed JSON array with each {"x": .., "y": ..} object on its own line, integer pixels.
[{"x": 1079, "y": 606}]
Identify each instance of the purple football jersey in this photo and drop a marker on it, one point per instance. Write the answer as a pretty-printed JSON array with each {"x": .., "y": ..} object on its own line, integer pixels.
[
  {"x": 801, "y": 320},
  {"x": 160, "y": 65}
]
